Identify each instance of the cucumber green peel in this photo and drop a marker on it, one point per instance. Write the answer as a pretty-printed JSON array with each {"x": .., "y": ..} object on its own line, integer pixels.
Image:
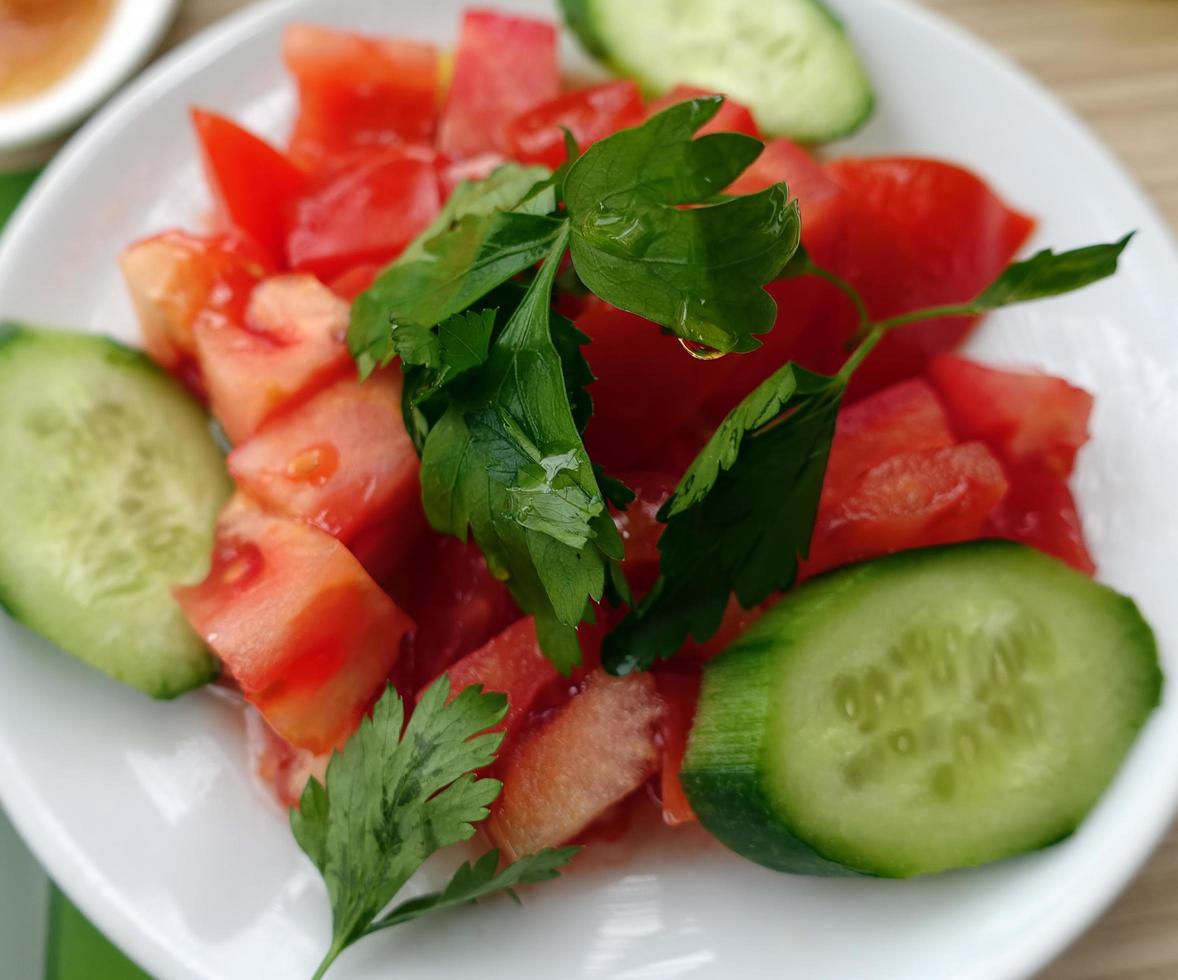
[
  {"x": 111, "y": 483},
  {"x": 936, "y": 709}
]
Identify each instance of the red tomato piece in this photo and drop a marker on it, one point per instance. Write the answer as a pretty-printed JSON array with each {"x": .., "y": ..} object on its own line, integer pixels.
[
  {"x": 920, "y": 233},
  {"x": 596, "y": 751},
  {"x": 1028, "y": 419},
  {"x": 252, "y": 183},
  {"x": 640, "y": 527},
  {"x": 1040, "y": 511},
  {"x": 359, "y": 93},
  {"x": 352, "y": 283},
  {"x": 299, "y": 624},
  {"x": 680, "y": 693},
  {"x": 736, "y": 620},
  {"x": 590, "y": 114},
  {"x": 454, "y": 172},
  {"x": 364, "y": 214},
  {"x": 510, "y": 663},
  {"x": 175, "y": 277},
  {"x": 905, "y": 417},
  {"x": 291, "y": 344},
  {"x": 503, "y": 66},
  {"x": 733, "y": 117},
  {"x": 341, "y": 460},
  {"x": 916, "y": 499},
  {"x": 457, "y": 603},
  {"x": 285, "y": 767}
]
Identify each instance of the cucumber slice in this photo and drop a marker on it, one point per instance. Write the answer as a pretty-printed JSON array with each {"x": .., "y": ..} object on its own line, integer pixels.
[
  {"x": 936, "y": 709},
  {"x": 789, "y": 61},
  {"x": 110, "y": 484}
]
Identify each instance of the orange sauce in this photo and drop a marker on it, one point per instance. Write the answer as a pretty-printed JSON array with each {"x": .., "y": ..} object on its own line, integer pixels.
[{"x": 41, "y": 41}]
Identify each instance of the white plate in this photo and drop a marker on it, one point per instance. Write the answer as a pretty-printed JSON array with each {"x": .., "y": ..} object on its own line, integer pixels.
[{"x": 146, "y": 813}]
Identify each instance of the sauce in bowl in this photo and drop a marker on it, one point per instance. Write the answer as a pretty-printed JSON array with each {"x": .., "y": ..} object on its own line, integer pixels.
[{"x": 41, "y": 41}]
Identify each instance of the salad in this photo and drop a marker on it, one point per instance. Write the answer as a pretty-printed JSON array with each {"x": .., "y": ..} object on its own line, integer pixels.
[{"x": 583, "y": 449}]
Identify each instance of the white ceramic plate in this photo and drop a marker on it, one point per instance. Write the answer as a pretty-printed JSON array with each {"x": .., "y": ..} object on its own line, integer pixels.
[{"x": 146, "y": 813}]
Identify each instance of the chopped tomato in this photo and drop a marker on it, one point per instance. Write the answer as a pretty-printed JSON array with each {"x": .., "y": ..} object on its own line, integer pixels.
[
  {"x": 364, "y": 214},
  {"x": 352, "y": 283},
  {"x": 457, "y": 603},
  {"x": 680, "y": 694},
  {"x": 736, "y": 620},
  {"x": 596, "y": 751},
  {"x": 175, "y": 277},
  {"x": 640, "y": 527},
  {"x": 503, "y": 66},
  {"x": 1029, "y": 420},
  {"x": 303, "y": 629},
  {"x": 915, "y": 499},
  {"x": 253, "y": 184},
  {"x": 1040, "y": 511},
  {"x": 341, "y": 460},
  {"x": 285, "y": 767},
  {"x": 590, "y": 114},
  {"x": 359, "y": 93},
  {"x": 511, "y": 663},
  {"x": 919, "y": 233},
  {"x": 291, "y": 344},
  {"x": 733, "y": 117},
  {"x": 454, "y": 172},
  {"x": 904, "y": 417}
]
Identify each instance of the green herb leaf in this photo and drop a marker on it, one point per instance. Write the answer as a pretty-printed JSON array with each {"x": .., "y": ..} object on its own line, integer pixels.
[
  {"x": 505, "y": 462},
  {"x": 740, "y": 518},
  {"x": 698, "y": 271},
  {"x": 1048, "y": 274},
  {"x": 481, "y": 879}
]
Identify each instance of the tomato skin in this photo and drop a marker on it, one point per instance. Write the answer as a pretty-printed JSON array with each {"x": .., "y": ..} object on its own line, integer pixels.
[
  {"x": 733, "y": 117},
  {"x": 175, "y": 278},
  {"x": 252, "y": 183},
  {"x": 1040, "y": 511},
  {"x": 911, "y": 500},
  {"x": 291, "y": 344},
  {"x": 341, "y": 460},
  {"x": 590, "y": 114},
  {"x": 593, "y": 753},
  {"x": 511, "y": 663},
  {"x": 1030, "y": 420},
  {"x": 303, "y": 629},
  {"x": 358, "y": 92},
  {"x": 919, "y": 233},
  {"x": 680, "y": 694},
  {"x": 503, "y": 66},
  {"x": 364, "y": 214},
  {"x": 348, "y": 285}
]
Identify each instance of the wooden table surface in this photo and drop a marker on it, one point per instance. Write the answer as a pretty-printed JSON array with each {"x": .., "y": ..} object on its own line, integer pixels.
[{"x": 1116, "y": 63}]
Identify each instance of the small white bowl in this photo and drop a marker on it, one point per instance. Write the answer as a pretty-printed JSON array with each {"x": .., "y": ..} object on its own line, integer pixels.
[{"x": 134, "y": 29}]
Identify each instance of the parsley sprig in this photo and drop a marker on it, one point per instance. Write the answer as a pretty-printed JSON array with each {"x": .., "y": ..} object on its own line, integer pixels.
[{"x": 391, "y": 799}]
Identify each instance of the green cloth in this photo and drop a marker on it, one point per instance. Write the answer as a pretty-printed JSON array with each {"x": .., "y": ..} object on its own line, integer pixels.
[{"x": 75, "y": 950}]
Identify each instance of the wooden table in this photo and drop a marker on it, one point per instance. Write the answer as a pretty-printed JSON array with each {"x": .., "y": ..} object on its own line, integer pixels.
[{"x": 1116, "y": 63}]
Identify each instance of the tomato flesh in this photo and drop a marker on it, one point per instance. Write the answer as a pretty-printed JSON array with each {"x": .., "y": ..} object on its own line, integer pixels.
[
  {"x": 733, "y": 116},
  {"x": 359, "y": 93},
  {"x": 596, "y": 751},
  {"x": 680, "y": 694},
  {"x": 1040, "y": 511},
  {"x": 341, "y": 460},
  {"x": 365, "y": 214},
  {"x": 291, "y": 344},
  {"x": 299, "y": 624},
  {"x": 252, "y": 183},
  {"x": 590, "y": 114},
  {"x": 503, "y": 66}
]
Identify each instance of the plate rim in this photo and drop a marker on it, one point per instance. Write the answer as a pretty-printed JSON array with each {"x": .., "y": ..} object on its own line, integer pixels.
[{"x": 70, "y": 867}]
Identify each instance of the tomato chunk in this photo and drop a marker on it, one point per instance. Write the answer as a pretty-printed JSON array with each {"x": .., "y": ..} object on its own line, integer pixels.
[
  {"x": 1040, "y": 511},
  {"x": 596, "y": 751},
  {"x": 342, "y": 460},
  {"x": 733, "y": 116},
  {"x": 175, "y": 277},
  {"x": 680, "y": 694},
  {"x": 1029, "y": 420},
  {"x": 363, "y": 214},
  {"x": 590, "y": 114},
  {"x": 291, "y": 344},
  {"x": 253, "y": 184},
  {"x": 352, "y": 283},
  {"x": 359, "y": 93},
  {"x": 915, "y": 499},
  {"x": 298, "y": 623},
  {"x": 503, "y": 66},
  {"x": 511, "y": 663}
]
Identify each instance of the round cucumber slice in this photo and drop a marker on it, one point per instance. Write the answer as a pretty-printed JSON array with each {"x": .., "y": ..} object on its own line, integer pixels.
[
  {"x": 936, "y": 709},
  {"x": 111, "y": 483},
  {"x": 789, "y": 61}
]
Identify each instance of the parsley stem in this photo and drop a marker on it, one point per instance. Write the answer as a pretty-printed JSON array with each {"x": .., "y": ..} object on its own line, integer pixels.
[
  {"x": 845, "y": 287},
  {"x": 874, "y": 336},
  {"x": 931, "y": 313},
  {"x": 337, "y": 947}
]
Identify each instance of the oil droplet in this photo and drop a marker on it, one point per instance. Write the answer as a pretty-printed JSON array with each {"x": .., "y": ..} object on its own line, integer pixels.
[
  {"x": 701, "y": 352},
  {"x": 315, "y": 465}
]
